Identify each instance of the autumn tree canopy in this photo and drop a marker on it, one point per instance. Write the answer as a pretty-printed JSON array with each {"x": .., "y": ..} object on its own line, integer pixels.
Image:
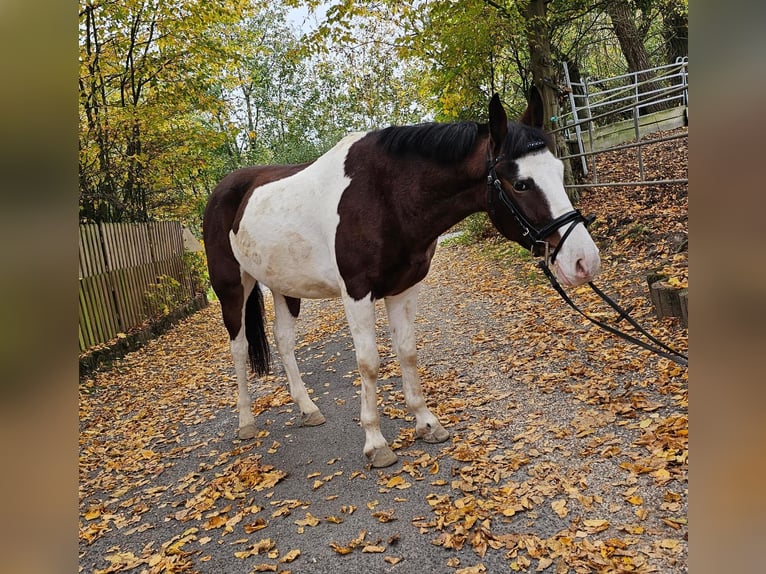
[{"x": 175, "y": 95}]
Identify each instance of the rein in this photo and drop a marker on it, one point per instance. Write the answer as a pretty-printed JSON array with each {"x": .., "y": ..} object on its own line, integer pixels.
[
  {"x": 540, "y": 247},
  {"x": 658, "y": 347}
]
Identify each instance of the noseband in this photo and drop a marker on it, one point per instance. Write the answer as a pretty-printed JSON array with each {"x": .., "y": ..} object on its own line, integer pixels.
[{"x": 537, "y": 238}]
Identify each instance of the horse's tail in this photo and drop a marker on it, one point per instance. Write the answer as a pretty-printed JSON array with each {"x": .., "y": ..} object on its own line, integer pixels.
[{"x": 255, "y": 331}]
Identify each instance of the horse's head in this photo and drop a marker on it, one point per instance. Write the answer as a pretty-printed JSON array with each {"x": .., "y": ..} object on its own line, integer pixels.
[{"x": 527, "y": 200}]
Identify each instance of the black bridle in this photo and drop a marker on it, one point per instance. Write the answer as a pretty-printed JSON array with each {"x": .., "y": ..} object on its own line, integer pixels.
[
  {"x": 539, "y": 247},
  {"x": 536, "y": 237}
]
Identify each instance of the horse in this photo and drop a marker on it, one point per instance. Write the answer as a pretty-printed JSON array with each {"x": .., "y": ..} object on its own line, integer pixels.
[{"x": 361, "y": 222}]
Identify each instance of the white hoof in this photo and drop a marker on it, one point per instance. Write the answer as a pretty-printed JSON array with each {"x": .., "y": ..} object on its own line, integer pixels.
[
  {"x": 432, "y": 433},
  {"x": 381, "y": 457},
  {"x": 247, "y": 432},
  {"x": 312, "y": 419}
]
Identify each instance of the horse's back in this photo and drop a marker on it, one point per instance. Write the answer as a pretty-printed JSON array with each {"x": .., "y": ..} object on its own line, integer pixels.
[
  {"x": 284, "y": 232},
  {"x": 221, "y": 212}
]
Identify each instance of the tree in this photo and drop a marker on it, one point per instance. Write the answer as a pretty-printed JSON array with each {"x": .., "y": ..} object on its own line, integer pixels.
[
  {"x": 633, "y": 20},
  {"x": 675, "y": 20},
  {"x": 147, "y": 76}
]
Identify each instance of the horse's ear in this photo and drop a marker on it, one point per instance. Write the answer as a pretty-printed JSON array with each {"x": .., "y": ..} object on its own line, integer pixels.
[
  {"x": 533, "y": 115},
  {"x": 498, "y": 123}
]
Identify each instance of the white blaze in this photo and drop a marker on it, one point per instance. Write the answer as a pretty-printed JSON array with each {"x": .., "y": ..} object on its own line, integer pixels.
[{"x": 578, "y": 260}]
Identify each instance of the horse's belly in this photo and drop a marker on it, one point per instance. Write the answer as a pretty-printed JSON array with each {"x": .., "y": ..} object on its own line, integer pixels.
[{"x": 292, "y": 264}]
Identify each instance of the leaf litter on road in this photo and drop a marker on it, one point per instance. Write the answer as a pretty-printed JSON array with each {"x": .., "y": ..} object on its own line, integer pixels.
[{"x": 568, "y": 448}]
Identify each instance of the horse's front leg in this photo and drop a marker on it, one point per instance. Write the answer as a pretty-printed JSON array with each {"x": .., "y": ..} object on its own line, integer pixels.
[
  {"x": 401, "y": 311},
  {"x": 361, "y": 320},
  {"x": 285, "y": 316}
]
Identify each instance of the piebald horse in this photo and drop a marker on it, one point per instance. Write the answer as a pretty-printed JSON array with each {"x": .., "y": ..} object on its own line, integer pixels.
[{"x": 361, "y": 223}]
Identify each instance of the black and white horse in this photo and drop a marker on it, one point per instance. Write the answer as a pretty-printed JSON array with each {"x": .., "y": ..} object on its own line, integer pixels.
[{"x": 361, "y": 223}]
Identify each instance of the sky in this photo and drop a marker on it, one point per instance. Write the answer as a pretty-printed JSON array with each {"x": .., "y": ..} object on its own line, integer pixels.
[{"x": 305, "y": 21}]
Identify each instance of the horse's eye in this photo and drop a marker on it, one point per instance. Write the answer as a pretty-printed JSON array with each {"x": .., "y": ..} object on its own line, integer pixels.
[{"x": 520, "y": 185}]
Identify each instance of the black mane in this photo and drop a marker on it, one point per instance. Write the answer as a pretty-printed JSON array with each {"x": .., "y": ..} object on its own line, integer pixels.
[
  {"x": 522, "y": 139},
  {"x": 440, "y": 142}
]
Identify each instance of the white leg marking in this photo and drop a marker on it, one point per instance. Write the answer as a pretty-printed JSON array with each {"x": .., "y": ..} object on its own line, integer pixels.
[
  {"x": 238, "y": 345},
  {"x": 284, "y": 335},
  {"x": 361, "y": 320},
  {"x": 401, "y": 318}
]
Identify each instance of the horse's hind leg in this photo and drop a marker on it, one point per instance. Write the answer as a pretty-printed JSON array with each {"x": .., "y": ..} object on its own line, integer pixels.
[
  {"x": 285, "y": 315},
  {"x": 233, "y": 298},
  {"x": 401, "y": 311}
]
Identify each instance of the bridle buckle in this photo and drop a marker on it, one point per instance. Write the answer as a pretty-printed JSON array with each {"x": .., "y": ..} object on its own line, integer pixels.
[{"x": 541, "y": 249}]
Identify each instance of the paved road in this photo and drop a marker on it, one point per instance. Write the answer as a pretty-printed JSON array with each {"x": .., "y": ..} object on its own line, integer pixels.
[{"x": 531, "y": 424}]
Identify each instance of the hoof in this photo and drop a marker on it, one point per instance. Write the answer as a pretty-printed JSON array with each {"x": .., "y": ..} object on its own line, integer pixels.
[
  {"x": 247, "y": 432},
  {"x": 312, "y": 419},
  {"x": 432, "y": 434},
  {"x": 381, "y": 457}
]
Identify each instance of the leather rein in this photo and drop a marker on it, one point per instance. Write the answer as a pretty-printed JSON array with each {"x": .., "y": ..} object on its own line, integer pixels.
[{"x": 539, "y": 247}]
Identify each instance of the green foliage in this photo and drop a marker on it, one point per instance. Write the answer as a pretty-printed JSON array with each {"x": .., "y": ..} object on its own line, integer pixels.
[
  {"x": 476, "y": 228},
  {"x": 164, "y": 296},
  {"x": 148, "y": 92},
  {"x": 195, "y": 264},
  {"x": 172, "y": 96}
]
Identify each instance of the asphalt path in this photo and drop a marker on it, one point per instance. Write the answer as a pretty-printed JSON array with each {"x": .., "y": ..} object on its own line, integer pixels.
[{"x": 330, "y": 512}]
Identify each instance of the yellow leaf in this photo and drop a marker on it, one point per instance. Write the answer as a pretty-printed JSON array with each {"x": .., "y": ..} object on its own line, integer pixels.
[
  {"x": 341, "y": 549},
  {"x": 373, "y": 549},
  {"x": 543, "y": 564},
  {"x": 215, "y": 522},
  {"x": 232, "y": 522},
  {"x": 384, "y": 515},
  {"x": 259, "y": 524},
  {"x": 310, "y": 520},
  {"x": 661, "y": 475},
  {"x": 560, "y": 507},
  {"x": 635, "y": 500},
  {"x": 596, "y": 524},
  {"x": 633, "y": 528},
  {"x": 290, "y": 556},
  {"x": 395, "y": 481},
  {"x": 392, "y": 559}
]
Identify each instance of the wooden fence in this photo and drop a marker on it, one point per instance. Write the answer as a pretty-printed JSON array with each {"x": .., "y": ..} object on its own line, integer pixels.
[{"x": 129, "y": 274}]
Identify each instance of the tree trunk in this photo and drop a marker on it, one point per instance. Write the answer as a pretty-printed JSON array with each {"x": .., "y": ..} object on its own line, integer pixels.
[
  {"x": 632, "y": 44},
  {"x": 675, "y": 23},
  {"x": 543, "y": 74}
]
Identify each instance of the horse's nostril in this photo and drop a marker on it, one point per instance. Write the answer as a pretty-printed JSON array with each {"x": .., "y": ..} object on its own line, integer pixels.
[{"x": 580, "y": 269}]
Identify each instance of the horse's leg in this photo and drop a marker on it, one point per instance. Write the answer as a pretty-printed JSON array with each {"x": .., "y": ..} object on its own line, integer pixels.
[
  {"x": 361, "y": 320},
  {"x": 401, "y": 318},
  {"x": 233, "y": 299},
  {"x": 284, "y": 335}
]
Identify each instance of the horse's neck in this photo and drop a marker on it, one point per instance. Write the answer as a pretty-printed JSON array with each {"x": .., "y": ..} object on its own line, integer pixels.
[{"x": 446, "y": 201}]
